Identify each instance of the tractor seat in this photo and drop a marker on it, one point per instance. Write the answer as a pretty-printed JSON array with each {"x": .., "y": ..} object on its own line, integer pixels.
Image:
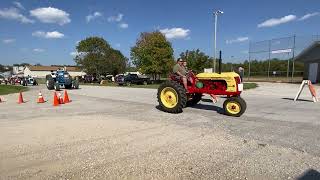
[{"x": 174, "y": 77}]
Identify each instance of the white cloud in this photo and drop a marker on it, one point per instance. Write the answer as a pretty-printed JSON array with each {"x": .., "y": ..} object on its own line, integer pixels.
[
  {"x": 24, "y": 49},
  {"x": 239, "y": 39},
  {"x": 38, "y": 50},
  {"x": 117, "y": 18},
  {"x": 8, "y": 41},
  {"x": 175, "y": 33},
  {"x": 14, "y": 14},
  {"x": 48, "y": 35},
  {"x": 277, "y": 21},
  {"x": 245, "y": 52},
  {"x": 93, "y": 16},
  {"x": 123, "y": 25},
  {"x": 18, "y": 5},
  {"x": 74, "y": 54},
  {"x": 309, "y": 15},
  {"x": 51, "y": 15}
]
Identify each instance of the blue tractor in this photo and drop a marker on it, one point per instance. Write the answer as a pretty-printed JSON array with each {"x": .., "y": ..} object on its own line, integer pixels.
[{"x": 61, "y": 78}]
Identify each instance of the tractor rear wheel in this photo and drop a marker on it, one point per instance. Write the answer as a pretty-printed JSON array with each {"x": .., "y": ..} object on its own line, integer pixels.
[
  {"x": 172, "y": 97},
  {"x": 194, "y": 99},
  {"x": 50, "y": 83},
  {"x": 234, "y": 106}
]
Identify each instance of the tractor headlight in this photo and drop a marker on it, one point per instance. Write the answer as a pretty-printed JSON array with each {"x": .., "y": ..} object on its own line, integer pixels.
[{"x": 199, "y": 85}]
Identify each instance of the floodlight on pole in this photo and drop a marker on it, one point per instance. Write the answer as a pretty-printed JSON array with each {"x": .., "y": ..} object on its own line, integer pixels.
[{"x": 216, "y": 13}]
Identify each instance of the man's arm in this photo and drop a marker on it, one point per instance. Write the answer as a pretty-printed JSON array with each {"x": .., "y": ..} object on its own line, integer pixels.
[{"x": 180, "y": 74}]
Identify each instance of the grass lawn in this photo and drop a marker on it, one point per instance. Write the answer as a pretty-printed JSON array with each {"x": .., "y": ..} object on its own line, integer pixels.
[
  {"x": 250, "y": 85},
  {"x": 273, "y": 79},
  {"x": 155, "y": 86},
  {"x": 9, "y": 89}
]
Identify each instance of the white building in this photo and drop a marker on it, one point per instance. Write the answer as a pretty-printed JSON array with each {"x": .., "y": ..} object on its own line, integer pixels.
[
  {"x": 42, "y": 71},
  {"x": 17, "y": 70}
]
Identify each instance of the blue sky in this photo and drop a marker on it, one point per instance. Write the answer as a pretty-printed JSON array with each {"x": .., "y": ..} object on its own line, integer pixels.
[{"x": 46, "y": 31}]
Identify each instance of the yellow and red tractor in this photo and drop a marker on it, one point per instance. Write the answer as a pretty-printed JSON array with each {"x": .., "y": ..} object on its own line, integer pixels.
[{"x": 173, "y": 97}]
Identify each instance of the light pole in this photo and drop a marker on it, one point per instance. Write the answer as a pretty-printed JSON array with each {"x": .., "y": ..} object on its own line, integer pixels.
[
  {"x": 231, "y": 69},
  {"x": 216, "y": 13}
]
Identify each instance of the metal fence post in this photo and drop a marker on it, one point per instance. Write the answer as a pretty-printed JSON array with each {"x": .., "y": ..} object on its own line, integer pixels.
[
  {"x": 249, "y": 68},
  {"x": 269, "y": 60},
  {"x": 293, "y": 48}
]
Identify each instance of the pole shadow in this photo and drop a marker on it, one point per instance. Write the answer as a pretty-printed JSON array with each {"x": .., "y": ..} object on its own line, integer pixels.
[{"x": 291, "y": 99}]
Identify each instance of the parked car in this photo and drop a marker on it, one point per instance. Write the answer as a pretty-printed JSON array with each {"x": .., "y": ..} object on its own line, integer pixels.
[
  {"x": 89, "y": 79},
  {"x": 2, "y": 79},
  {"x": 119, "y": 79},
  {"x": 132, "y": 79},
  {"x": 29, "y": 81},
  {"x": 15, "y": 80}
]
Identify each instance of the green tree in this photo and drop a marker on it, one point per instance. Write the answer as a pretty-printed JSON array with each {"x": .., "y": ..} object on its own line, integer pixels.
[
  {"x": 130, "y": 67},
  {"x": 96, "y": 57},
  {"x": 118, "y": 62},
  {"x": 196, "y": 60},
  {"x": 152, "y": 54},
  {"x": 22, "y": 64},
  {"x": 2, "y": 68}
]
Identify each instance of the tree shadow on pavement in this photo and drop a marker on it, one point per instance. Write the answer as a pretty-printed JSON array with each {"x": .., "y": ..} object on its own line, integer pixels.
[
  {"x": 291, "y": 99},
  {"x": 310, "y": 174}
]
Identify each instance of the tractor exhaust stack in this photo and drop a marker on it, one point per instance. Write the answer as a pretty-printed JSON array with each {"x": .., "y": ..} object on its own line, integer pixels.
[{"x": 220, "y": 62}]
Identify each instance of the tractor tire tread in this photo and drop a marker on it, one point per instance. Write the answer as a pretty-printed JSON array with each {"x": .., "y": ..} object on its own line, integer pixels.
[
  {"x": 242, "y": 103},
  {"x": 182, "y": 97}
]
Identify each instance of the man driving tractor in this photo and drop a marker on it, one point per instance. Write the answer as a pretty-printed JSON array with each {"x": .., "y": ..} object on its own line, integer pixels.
[{"x": 180, "y": 71}]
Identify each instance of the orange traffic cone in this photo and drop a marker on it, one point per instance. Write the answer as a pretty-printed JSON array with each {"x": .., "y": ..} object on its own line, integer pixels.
[
  {"x": 20, "y": 99},
  {"x": 40, "y": 98},
  {"x": 55, "y": 99},
  {"x": 60, "y": 98},
  {"x": 66, "y": 97}
]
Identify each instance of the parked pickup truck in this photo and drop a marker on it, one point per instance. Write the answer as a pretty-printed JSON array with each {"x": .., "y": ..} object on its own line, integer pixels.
[{"x": 132, "y": 79}]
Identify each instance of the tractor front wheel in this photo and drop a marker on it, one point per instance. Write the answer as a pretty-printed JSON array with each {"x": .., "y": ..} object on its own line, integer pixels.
[
  {"x": 50, "y": 84},
  {"x": 172, "y": 97},
  {"x": 56, "y": 86},
  {"x": 234, "y": 106}
]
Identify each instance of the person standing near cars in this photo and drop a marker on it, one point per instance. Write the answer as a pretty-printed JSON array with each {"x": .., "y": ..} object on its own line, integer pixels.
[{"x": 241, "y": 72}]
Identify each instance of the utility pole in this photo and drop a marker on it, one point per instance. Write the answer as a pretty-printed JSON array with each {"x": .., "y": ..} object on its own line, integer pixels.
[{"x": 216, "y": 13}]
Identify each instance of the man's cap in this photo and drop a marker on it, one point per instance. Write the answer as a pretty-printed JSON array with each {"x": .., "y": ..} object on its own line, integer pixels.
[{"x": 180, "y": 60}]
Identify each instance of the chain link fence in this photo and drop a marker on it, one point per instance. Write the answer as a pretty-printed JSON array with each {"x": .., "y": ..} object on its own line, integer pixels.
[{"x": 274, "y": 59}]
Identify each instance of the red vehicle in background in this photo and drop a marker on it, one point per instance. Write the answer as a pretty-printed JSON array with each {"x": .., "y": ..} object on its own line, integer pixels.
[{"x": 15, "y": 80}]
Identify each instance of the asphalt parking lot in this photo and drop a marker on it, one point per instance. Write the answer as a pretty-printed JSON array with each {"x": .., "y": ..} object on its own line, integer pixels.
[{"x": 118, "y": 133}]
